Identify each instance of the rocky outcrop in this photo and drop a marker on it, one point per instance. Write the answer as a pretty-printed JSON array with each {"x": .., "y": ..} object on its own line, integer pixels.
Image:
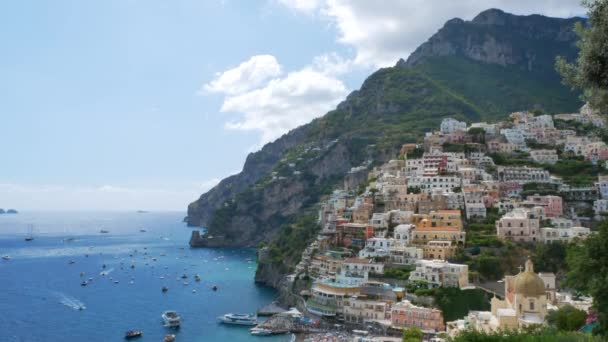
[{"x": 501, "y": 38}]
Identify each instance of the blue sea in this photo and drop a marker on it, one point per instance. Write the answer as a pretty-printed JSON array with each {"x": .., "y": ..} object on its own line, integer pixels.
[{"x": 41, "y": 292}]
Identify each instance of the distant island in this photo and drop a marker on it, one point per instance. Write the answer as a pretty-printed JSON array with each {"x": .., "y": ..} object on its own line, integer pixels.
[{"x": 8, "y": 211}]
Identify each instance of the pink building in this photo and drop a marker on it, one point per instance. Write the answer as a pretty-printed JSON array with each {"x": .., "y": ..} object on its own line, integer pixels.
[
  {"x": 552, "y": 204},
  {"x": 406, "y": 314}
]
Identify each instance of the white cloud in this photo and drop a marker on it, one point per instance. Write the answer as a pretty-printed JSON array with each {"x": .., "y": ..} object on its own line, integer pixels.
[
  {"x": 246, "y": 76},
  {"x": 108, "y": 197},
  {"x": 383, "y": 32},
  {"x": 286, "y": 102}
]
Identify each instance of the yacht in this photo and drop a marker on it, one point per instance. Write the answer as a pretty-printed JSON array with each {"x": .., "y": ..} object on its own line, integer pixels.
[
  {"x": 133, "y": 334},
  {"x": 171, "y": 319},
  {"x": 239, "y": 319},
  {"x": 260, "y": 332}
]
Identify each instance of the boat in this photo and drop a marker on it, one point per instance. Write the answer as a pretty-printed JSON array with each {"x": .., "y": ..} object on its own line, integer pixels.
[
  {"x": 260, "y": 332},
  {"x": 197, "y": 277},
  {"x": 83, "y": 283},
  {"x": 71, "y": 262},
  {"x": 133, "y": 334},
  {"x": 214, "y": 288},
  {"x": 30, "y": 234},
  {"x": 171, "y": 319},
  {"x": 103, "y": 231},
  {"x": 142, "y": 230},
  {"x": 6, "y": 257},
  {"x": 165, "y": 289},
  {"x": 239, "y": 319},
  {"x": 169, "y": 338}
]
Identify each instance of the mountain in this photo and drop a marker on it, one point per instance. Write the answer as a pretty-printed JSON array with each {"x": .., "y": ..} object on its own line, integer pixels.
[{"x": 474, "y": 70}]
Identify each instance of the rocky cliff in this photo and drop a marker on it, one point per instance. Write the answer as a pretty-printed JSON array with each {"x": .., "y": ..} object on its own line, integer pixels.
[
  {"x": 477, "y": 70},
  {"x": 530, "y": 42}
]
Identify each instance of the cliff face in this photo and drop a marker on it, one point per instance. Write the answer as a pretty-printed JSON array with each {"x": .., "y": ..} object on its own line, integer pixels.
[
  {"x": 478, "y": 70},
  {"x": 495, "y": 37},
  {"x": 257, "y": 164}
]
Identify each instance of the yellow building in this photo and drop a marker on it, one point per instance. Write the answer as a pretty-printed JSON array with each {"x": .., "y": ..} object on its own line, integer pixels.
[
  {"x": 442, "y": 225},
  {"x": 442, "y": 250}
]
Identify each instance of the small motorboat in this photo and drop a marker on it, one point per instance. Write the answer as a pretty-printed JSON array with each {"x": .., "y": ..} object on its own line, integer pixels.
[
  {"x": 29, "y": 238},
  {"x": 184, "y": 276},
  {"x": 214, "y": 288},
  {"x": 142, "y": 230},
  {"x": 197, "y": 277},
  {"x": 103, "y": 231},
  {"x": 6, "y": 257},
  {"x": 83, "y": 283},
  {"x": 260, "y": 332},
  {"x": 165, "y": 289},
  {"x": 71, "y": 262},
  {"x": 171, "y": 319},
  {"x": 81, "y": 307},
  {"x": 169, "y": 338},
  {"x": 133, "y": 334},
  {"x": 238, "y": 319}
]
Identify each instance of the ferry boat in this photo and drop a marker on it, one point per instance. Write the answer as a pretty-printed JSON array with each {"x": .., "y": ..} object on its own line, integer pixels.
[
  {"x": 238, "y": 319},
  {"x": 171, "y": 319}
]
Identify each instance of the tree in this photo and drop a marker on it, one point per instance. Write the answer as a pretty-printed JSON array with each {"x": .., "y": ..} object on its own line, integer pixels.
[
  {"x": 588, "y": 265},
  {"x": 567, "y": 318},
  {"x": 589, "y": 72},
  {"x": 412, "y": 335},
  {"x": 550, "y": 257}
]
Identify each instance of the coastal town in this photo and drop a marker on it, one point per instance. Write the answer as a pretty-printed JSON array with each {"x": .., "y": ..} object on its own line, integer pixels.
[{"x": 442, "y": 237}]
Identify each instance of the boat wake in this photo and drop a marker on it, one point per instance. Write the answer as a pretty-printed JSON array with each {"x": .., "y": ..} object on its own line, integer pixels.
[
  {"x": 106, "y": 272},
  {"x": 71, "y": 302}
]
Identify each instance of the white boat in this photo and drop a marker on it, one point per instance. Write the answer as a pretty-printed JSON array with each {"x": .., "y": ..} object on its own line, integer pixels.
[
  {"x": 260, "y": 332},
  {"x": 171, "y": 318},
  {"x": 238, "y": 319}
]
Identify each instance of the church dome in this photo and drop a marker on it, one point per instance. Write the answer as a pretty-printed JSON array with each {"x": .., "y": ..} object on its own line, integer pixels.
[{"x": 528, "y": 283}]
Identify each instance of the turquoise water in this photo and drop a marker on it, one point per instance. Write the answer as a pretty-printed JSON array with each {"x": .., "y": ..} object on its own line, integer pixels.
[{"x": 41, "y": 290}]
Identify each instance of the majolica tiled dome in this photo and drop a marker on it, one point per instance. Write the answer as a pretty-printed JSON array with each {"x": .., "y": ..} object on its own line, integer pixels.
[{"x": 528, "y": 283}]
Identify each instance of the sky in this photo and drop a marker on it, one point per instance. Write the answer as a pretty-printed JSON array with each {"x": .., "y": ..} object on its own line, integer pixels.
[{"x": 146, "y": 104}]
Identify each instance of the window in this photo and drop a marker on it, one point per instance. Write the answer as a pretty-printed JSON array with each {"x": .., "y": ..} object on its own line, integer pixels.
[{"x": 531, "y": 305}]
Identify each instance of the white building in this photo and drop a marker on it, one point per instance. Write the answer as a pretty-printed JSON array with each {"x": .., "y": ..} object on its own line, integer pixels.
[
  {"x": 544, "y": 156},
  {"x": 600, "y": 207},
  {"x": 441, "y": 273},
  {"x": 523, "y": 174},
  {"x": 403, "y": 234},
  {"x": 473, "y": 202},
  {"x": 514, "y": 136},
  {"x": 376, "y": 247},
  {"x": 405, "y": 255},
  {"x": 549, "y": 235},
  {"x": 430, "y": 183},
  {"x": 355, "y": 271},
  {"x": 450, "y": 125}
]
